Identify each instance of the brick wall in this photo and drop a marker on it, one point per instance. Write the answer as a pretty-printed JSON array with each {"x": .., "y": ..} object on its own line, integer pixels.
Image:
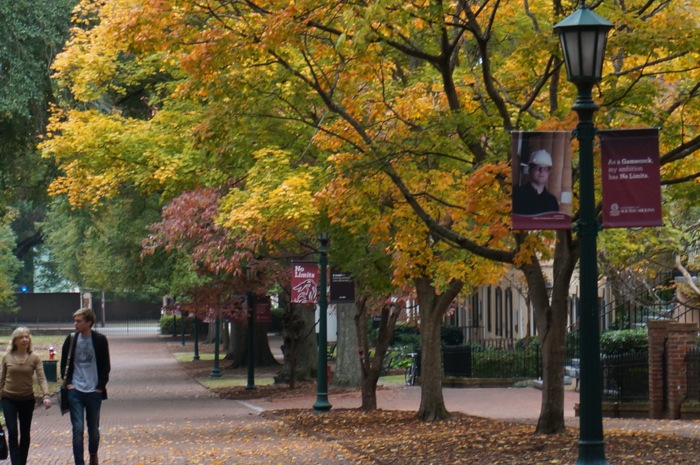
[{"x": 674, "y": 339}]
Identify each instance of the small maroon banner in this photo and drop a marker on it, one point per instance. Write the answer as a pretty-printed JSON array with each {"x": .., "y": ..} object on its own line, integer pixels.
[
  {"x": 631, "y": 179},
  {"x": 263, "y": 310},
  {"x": 304, "y": 282},
  {"x": 542, "y": 180}
]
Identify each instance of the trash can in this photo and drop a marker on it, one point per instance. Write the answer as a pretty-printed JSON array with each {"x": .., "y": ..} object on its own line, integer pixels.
[
  {"x": 50, "y": 370},
  {"x": 457, "y": 361}
]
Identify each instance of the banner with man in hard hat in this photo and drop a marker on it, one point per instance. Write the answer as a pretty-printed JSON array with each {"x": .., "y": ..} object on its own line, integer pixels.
[{"x": 542, "y": 180}]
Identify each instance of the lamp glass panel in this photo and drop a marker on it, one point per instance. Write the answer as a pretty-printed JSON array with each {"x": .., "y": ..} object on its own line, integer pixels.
[
  {"x": 570, "y": 45},
  {"x": 588, "y": 52},
  {"x": 600, "y": 52}
]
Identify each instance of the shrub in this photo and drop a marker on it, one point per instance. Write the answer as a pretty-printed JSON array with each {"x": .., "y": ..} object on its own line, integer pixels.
[
  {"x": 624, "y": 341},
  {"x": 528, "y": 343},
  {"x": 505, "y": 364},
  {"x": 451, "y": 335},
  {"x": 409, "y": 336},
  {"x": 406, "y": 336},
  {"x": 166, "y": 325}
]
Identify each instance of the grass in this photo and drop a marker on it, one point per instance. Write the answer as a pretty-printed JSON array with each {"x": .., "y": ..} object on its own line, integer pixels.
[
  {"x": 187, "y": 356},
  {"x": 393, "y": 379},
  {"x": 218, "y": 383},
  {"x": 229, "y": 378},
  {"x": 40, "y": 344}
]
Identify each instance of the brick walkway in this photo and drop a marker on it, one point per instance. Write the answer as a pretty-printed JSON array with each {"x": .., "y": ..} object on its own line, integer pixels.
[{"x": 156, "y": 414}]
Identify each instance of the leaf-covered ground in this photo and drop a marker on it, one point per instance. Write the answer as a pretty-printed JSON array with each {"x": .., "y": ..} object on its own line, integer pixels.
[{"x": 397, "y": 438}]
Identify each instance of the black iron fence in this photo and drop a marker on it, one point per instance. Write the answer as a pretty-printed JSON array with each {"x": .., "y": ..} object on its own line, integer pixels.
[
  {"x": 478, "y": 362},
  {"x": 504, "y": 363},
  {"x": 110, "y": 327},
  {"x": 692, "y": 360},
  {"x": 626, "y": 377}
]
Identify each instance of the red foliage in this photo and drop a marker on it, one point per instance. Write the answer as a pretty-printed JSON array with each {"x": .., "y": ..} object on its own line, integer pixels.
[{"x": 189, "y": 226}]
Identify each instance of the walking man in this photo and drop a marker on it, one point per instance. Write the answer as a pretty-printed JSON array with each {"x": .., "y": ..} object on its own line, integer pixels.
[{"x": 85, "y": 366}]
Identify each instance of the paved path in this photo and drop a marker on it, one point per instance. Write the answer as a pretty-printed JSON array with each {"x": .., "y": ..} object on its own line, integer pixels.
[{"x": 157, "y": 414}]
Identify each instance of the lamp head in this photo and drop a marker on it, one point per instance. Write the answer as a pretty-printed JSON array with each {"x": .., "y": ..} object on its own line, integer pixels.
[{"x": 583, "y": 36}]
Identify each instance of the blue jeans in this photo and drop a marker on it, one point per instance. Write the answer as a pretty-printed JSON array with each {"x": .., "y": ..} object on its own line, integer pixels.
[
  {"x": 18, "y": 440},
  {"x": 84, "y": 406}
]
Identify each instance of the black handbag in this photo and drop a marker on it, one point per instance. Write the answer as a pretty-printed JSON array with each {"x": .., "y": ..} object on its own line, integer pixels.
[
  {"x": 62, "y": 394},
  {"x": 3, "y": 444}
]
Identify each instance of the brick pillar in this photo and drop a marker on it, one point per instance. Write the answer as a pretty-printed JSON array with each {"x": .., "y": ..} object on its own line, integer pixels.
[
  {"x": 657, "y": 332},
  {"x": 681, "y": 337}
]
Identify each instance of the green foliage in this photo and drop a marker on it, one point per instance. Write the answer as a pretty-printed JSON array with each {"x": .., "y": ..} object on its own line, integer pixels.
[
  {"x": 625, "y": 341},
  {"x": 9, "y": 265},
  {"x": 167, "y": 322},
  {"x": 406, "y": 336},
  {"x": 528, "y": 343},
  {"x": 451, "y": 335},
  {"x": 506, "y": 363},
  {"x": 32, "y": 34},
  {"x": 409, "y": 336},
  {"x": 100, "y": 248}
]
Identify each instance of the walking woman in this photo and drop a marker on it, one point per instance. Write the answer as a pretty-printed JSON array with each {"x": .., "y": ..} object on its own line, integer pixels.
[{"x": 17, "y": 389}]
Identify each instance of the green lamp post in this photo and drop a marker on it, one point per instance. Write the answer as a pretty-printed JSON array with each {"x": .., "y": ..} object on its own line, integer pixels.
[
  {"x": 250, "y": 361},
  {"x": 583, "y": 37},
  {"x": 216, "y": 370},
  {"x": 196, "y": 338},
  {"x": 322, "y": 404}
]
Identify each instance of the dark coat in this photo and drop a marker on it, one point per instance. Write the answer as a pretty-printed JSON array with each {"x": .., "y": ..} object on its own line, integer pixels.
[
  {"x": 526, "y": 201},
  {"x": 99, "y": 341}
]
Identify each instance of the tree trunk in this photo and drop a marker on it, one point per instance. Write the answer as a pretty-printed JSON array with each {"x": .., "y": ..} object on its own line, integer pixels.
[
  {"x": 551, "y": 328},
  {"x": 432, "y": 309},
  {"x": 371, "y": 365},
  {"x": 238, "y": 348},
  {"x": 348, "y": 371},
  {"x": 211, "y": 332},
  {"x": 263, "y": 356},
  {"x": 300, "y": 347}
]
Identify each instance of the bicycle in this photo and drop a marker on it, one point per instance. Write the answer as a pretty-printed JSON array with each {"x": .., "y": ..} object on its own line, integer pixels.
[{"x": 412, "y": 371}]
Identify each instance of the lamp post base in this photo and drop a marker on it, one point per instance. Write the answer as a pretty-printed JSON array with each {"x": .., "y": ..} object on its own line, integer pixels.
[
  {"x": 322, "y": 405},
  {"x": 591, "y": 453}
]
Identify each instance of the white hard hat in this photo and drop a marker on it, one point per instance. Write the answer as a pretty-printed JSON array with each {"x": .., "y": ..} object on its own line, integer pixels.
[{"x": 541, "y": 157}]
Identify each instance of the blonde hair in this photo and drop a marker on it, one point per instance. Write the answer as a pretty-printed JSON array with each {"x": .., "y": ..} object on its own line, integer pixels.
[
  {"x": 18, "y": 333},
  {"x": 86, "y": 314}
]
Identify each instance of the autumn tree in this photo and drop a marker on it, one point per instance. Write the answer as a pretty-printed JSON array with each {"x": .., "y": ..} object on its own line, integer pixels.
[
  {"x": 414, "y": 97},
  {"x": 228, "y": 266}
]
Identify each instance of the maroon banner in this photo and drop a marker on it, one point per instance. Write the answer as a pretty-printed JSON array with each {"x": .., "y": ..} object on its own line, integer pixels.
[
  {"x": 542, "y": 180},
  {"x": 304, "y": 282},
  {"x": 630, "y": 178},
  {"x": 263, "y": 310}
]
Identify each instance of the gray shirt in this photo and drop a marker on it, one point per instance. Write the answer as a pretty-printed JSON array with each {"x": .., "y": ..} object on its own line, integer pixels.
[{"x": 84, "y": 365}]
